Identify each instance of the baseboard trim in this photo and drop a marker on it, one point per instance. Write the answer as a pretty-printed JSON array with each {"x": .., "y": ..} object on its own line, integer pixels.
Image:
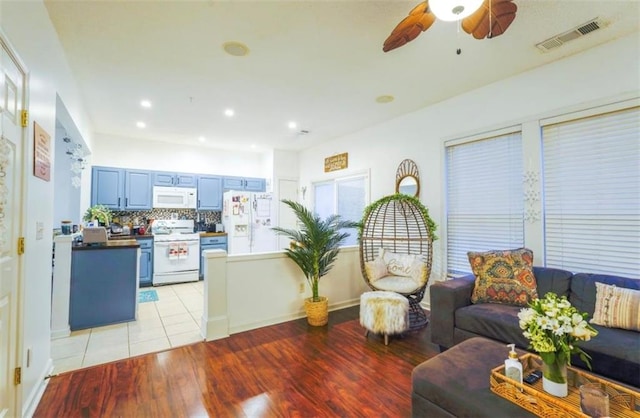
[
  {"x": 29, "y": 407},
  {"x": 290, "y": 317}
]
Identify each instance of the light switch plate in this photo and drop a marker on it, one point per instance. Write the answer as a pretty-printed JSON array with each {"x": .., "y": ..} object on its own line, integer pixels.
[{"x": 39, "y": 230}]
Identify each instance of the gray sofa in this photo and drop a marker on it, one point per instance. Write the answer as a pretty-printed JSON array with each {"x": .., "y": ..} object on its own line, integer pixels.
[{"x": 615, "y": 352}]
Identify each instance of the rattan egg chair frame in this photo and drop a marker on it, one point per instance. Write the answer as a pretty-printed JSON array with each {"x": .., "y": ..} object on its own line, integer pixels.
[{"x": 401, "y": 224}]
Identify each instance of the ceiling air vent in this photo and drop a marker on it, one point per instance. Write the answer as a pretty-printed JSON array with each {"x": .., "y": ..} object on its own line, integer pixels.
[{"x": 570, "y": 35}]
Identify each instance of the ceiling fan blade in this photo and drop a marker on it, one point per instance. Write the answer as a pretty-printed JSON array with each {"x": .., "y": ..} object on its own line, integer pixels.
[
  {"x": 503, "y": 12},
  {"x": 420, "y": 19}
]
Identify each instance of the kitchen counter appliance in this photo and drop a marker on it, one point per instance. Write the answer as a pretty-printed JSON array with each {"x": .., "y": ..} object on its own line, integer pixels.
[
  {"x": 176, "y": 251},
  {"x": 94, "y": 235}
]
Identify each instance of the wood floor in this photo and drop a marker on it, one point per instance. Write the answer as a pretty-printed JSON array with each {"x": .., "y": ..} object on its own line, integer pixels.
[{"x": 285, "y": 370}]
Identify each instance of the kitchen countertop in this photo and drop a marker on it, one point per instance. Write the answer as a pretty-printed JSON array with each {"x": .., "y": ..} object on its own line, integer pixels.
[
  {"x": 125, "y": 237},
  {"x": 150, "y": 236},
  {"x": 119, "y": 243}
]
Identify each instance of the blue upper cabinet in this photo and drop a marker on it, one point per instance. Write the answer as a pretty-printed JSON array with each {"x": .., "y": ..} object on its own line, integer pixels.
[
  {"x": 137, "y": 190},
  {"x": 233, "y": 183},
  {"x": 120, "y": 189},
  {"x": 255, "y": 184},
  {"x": 186, "y": 180},
  {"x": 248, "y": 184},
  {"x": 163, "y": 178},
  {"x": 107, "y": 187},
  {"x": 127, "y": 189},
  {"x": 209, "y": 193}
]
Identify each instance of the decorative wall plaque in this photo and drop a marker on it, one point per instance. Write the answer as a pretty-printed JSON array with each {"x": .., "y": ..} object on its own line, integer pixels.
[
  {"x": 336, "y": 162},
  {"x": 41, "y": 153}
]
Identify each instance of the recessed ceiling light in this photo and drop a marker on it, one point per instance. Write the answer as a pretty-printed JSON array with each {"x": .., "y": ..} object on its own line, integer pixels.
[
  {"x": 292, "y": 125},
  {"x": 141, "y": 125},
  {"x": 229, "y": 112},
  {"x": 237, "y": 49},
  {"x": 145, "y": 103},
  {"x": 384, "y": 99},
  {"x": 202, "y": 139},
  {"x": 253, "y": 146}
]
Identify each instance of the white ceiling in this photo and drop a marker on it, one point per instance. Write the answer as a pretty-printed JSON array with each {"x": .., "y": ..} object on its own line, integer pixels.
[{"x": 319, "y": 63}]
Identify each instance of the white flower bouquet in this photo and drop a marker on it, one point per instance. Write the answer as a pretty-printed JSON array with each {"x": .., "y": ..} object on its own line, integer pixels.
[{"x": 554, "y": 328}]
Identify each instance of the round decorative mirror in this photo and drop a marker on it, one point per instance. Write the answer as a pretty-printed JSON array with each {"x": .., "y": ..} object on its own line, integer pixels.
[{"x": 408, "y": 179}]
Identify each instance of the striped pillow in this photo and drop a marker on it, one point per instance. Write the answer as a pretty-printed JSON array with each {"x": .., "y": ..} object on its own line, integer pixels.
[{"x": 617, "y": 307}]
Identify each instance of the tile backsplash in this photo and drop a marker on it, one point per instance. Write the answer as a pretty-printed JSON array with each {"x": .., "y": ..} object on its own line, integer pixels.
[{"x": 142, "y": 217}]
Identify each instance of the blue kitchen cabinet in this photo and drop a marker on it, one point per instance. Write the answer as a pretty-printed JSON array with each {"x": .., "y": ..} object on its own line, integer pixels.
[
  {"x": 211, "y": 243},
  {"x": 121, "y": 189},
  {"x": 209, "y": 193},
  {"x": 248, "y": 184},
  {"x": 107, "y": 187},
  {"x": 171, "y": 179},
  {"x": 104, "y": 287},
  {"x": 255, "y": 184},
  {"x": 137, "y": 190},
  {"x": 146, "y": 261}
]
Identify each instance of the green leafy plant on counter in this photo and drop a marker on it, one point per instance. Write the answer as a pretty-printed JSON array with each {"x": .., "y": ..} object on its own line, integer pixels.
[{"x": 100, "y": 213}]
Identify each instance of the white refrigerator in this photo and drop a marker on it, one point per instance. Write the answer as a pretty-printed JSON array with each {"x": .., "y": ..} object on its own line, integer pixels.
[{"x": 248, "y": 218}]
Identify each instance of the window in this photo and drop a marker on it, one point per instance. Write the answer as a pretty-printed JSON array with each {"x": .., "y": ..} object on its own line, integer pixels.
[
  {"x": 484, "y": 190},
  {"x": 592, "y": 193},
  {"x": 346, "y": 197}
]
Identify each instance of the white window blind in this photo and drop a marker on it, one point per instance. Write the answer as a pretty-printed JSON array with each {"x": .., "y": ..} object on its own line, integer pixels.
[
  {"x": 484, "y": 198},
  {"x": 592, "y": 194},
  {"x": 351, "y": 204},
  {"x": 346, "y": 197}
]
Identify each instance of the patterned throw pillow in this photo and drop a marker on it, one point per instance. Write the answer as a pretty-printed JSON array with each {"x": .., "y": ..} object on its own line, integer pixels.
[
  {"x": 617, "y": 307},
  {"x": 503, "y": 276}
]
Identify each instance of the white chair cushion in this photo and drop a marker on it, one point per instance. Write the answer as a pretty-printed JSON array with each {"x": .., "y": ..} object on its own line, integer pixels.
[{"x": 400, "y": 284}]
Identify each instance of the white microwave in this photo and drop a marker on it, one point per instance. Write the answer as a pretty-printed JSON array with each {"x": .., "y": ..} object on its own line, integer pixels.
[{"x": 175, "y": 197}]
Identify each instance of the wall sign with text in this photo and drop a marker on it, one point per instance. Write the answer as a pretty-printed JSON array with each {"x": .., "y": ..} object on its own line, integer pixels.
[
  {"x": 41, "y": 153},
  {"x": 336, "y": 162}
]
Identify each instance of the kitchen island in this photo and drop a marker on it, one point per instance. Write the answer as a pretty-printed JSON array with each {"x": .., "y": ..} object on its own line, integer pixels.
[{"x": 104, "y": 283}]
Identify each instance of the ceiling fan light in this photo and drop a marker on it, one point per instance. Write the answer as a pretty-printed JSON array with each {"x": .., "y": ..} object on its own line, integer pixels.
[{"x": 452, "y": 10}]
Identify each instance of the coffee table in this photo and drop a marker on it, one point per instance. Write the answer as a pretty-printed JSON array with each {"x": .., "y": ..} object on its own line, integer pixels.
[{"x": 455, "y": 383}]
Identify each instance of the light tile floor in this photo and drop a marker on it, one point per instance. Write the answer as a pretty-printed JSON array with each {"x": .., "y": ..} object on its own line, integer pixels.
[{"x": 172, "y": 321}]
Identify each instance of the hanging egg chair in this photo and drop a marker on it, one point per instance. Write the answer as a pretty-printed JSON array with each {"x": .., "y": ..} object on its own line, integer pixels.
[{"x": 396, "y": 249}]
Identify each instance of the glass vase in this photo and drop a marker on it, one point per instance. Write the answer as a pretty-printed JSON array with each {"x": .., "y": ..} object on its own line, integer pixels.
[{"x": 554, "y": 377}]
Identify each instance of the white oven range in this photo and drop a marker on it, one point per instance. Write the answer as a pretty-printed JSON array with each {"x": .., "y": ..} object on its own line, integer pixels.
[{"x": 176, "y": 251}]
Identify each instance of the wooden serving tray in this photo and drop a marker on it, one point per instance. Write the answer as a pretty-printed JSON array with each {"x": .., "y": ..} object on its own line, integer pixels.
[{"x": 623, "y": 402}]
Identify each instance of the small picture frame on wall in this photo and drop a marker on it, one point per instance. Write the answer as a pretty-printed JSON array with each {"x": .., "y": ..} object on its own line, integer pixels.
[{"x": 41, "y": 153}]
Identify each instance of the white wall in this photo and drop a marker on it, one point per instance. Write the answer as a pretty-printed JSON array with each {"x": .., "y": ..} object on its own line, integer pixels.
[
  {"x": 263, "y": 289},
  {"x": 28, "y": 28},
  {"x": 123, "y": 152},
  {"x": 66, "y": 204},
  {"x": 599, "y": 75}
]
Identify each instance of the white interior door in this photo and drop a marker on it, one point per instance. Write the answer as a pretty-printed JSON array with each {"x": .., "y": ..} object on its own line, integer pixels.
[
  {"x": 287, "y": 189},
  {"x": 12, "y": 96}
]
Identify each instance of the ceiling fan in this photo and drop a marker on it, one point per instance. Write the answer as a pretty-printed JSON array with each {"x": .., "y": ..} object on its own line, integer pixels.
[{"x": 480, "y": 18}]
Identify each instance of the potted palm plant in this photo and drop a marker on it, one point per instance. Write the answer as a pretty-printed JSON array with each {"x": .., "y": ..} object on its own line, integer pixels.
[{"x": 314, "y": 248}]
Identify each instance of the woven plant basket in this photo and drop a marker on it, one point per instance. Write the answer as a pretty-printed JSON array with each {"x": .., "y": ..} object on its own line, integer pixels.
[{"x": 317, "y": 312}]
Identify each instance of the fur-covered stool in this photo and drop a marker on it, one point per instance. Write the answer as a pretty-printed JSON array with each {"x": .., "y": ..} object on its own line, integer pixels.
[{"x": 383, "y": 312}]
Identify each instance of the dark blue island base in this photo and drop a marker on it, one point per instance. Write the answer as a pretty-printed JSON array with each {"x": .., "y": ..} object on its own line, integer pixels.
[{"x": 104, "y": 284}]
